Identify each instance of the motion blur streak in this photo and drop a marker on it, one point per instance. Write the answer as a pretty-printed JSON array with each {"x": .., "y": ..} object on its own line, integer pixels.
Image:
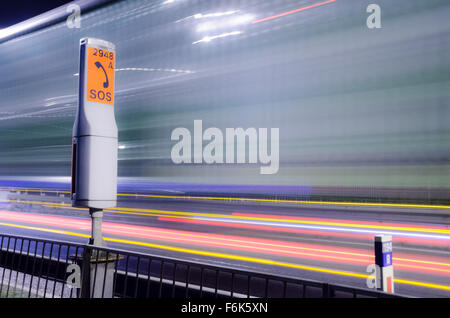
[
  {"x": 273, "y": 218},
  {"x": 400, "y": 205},
  {"x": 306, "y": 202},
  {"x": 268, "y": 219},
  {"x": 273, "y": 223},
  {"x": 418, "y": 239},
  {"x": 234, "y": 242},
  {"x": 364, "y": 134},
  {"x": 362, "y": 113},
  {"x": 381, "y": 223},
  {"x": 265, "y": 227},
  {"x": 136, "y": 231},
  {"x": 328, "y": 228},
  {"x": 293, "y": 11}
]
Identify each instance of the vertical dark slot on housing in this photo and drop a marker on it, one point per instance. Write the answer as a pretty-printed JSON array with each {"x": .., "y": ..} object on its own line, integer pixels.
[{"x": 74, "y": 167}]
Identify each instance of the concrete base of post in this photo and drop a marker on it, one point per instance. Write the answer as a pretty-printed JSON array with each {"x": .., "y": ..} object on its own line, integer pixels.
[
  {"x": 97, "y": 266},
  {"x": 101, "y": 280},
  {"x": 97, "y": 273}
]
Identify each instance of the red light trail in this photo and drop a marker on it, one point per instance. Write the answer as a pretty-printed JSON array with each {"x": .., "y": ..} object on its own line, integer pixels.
[
  {"x": 293, "y": 11},
  {"x": 307, "y": 251}
]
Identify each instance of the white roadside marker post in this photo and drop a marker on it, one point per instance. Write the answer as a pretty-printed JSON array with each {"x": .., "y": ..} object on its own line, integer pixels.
[{"x": 383, "y": 260}]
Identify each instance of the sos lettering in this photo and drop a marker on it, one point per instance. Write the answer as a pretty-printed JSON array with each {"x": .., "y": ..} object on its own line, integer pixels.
[{"x": 101, "y": 95}]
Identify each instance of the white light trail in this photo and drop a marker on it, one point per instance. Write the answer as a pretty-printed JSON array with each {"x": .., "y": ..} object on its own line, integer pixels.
[
  {"x": 213, "y": 37},
  {"x": 224, "y": 23}
]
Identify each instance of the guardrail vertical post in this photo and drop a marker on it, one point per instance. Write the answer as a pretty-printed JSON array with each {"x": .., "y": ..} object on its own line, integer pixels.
[
  {"x": 85, "y": 291},
  {"x": 325, "y": 291}
]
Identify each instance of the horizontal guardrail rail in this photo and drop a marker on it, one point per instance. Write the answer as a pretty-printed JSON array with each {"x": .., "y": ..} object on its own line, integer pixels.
[{"x": 32, "y": 267}]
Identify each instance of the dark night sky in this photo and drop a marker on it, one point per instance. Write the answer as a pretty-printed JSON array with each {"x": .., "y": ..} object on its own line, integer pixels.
[{"x": 15, "y": 11}]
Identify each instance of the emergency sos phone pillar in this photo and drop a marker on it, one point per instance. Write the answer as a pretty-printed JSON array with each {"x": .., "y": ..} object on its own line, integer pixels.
[
  {"x": 94, "y": 146},
  {"x": 94, "y": 159}
]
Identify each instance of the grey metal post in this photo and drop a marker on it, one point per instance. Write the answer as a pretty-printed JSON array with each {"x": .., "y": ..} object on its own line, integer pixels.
[{"x": 96, "y": 230}]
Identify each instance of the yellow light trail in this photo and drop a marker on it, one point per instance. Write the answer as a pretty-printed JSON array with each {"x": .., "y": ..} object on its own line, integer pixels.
[
  {"x": 67, "y": 206},
  {"x": 152, "y": 212},
  {"x": 281, "y": 245},
  {"x": 339, "y": 224},
  {"x": 367, "y": 204},
  {"x": 284, "y": 246}
]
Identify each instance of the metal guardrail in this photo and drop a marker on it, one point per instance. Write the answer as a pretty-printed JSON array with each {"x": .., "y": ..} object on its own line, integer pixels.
[{"x": 32, "y": 267}]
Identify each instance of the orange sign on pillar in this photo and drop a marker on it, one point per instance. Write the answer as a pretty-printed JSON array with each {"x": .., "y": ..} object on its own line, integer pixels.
[{"x": 100, "y": 76}]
